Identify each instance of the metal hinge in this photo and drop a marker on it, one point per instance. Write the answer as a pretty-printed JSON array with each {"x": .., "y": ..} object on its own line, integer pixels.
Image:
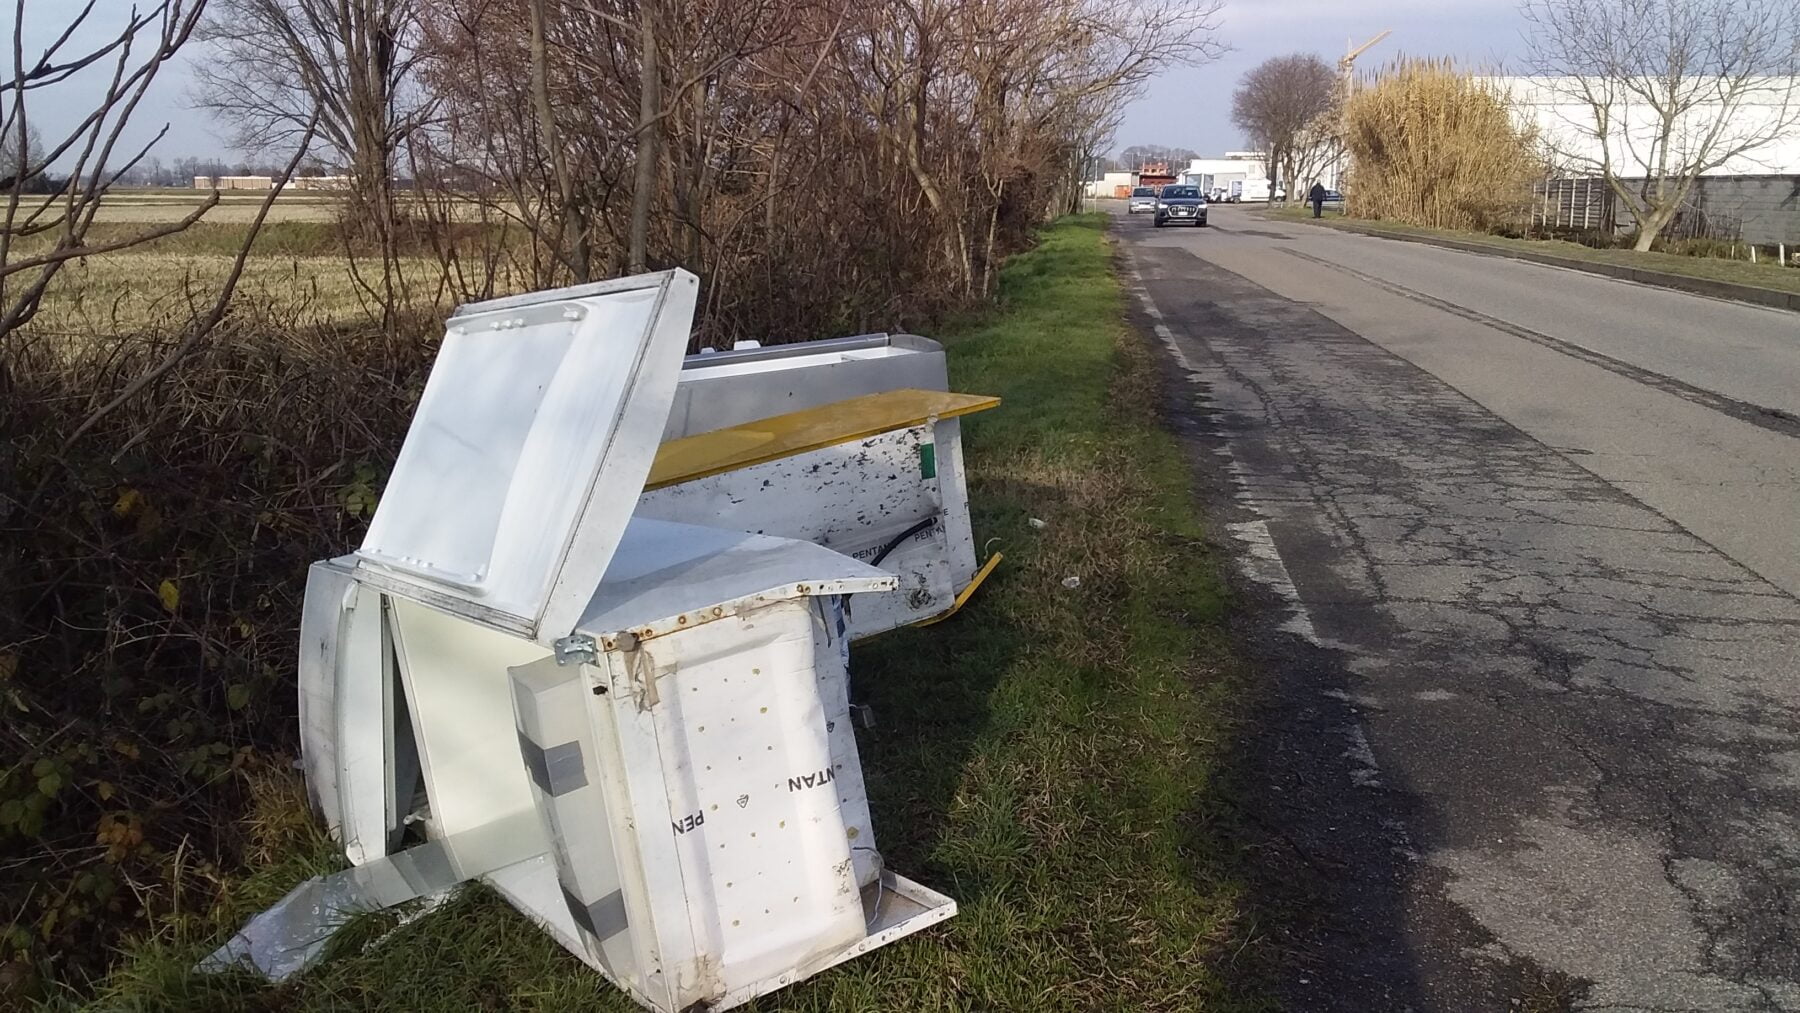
[{"x": 576, "y": 649}]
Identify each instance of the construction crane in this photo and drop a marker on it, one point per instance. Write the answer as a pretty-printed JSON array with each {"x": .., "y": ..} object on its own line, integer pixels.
[
  {"x": 1347, "y": 88},
  {"x": 1347, "y": 65}
]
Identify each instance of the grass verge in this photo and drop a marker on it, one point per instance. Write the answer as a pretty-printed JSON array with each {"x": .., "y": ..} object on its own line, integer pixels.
[
  {"x": 1053, "y": 758},
  {"x": 1737, "y": 272}
]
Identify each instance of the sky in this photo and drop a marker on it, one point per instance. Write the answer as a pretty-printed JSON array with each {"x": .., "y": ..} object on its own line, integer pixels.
[
  {"x": 1190, "y": 107},
  {"x": 1187, "y": 107}
]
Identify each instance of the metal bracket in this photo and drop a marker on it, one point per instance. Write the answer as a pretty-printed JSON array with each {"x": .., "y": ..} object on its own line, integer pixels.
[{"x": 576, "y": 649}]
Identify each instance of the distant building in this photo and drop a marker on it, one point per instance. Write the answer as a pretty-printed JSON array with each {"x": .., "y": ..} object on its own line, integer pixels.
[
  {"x": 1116, "y": 183},
  {"x": 1244, "y": 166},
  {"x": 268, "y": 182},
  {"x": 1155, "y": 174},
  {"x": 1754, "y": 196},
  {"x": 1550, "y": 105},
  {"x": 234, "y": 182}
]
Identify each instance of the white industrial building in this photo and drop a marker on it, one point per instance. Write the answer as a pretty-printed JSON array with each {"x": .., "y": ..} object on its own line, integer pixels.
[
  {"x": 1554, "y": 107},
  {"x": 1234, "y": 166},
  {"x": 1243, "y": 166},
  {"x": 1754, "y": 195},
  {"x": 1114, "y": 183},
  {"x": 268, "y": 183}
]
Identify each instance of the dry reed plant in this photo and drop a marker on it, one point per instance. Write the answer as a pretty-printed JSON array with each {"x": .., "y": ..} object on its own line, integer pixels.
[{"x": 1431, "y": 145}]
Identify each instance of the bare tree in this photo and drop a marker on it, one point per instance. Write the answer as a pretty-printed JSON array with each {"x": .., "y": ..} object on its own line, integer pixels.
[
  {"x": 1654, "y": 94},
  {"x": 42, "y": 233},
  {"x": 277, "y": 66},
  {"x": 26, "y": 151},
  {"x": 1138, "y": 154},
  {"x": 1279, "y": 104},
  {"x": 956, "y": 126}
]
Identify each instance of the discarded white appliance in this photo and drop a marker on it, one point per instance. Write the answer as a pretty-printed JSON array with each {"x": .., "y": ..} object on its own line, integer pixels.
[
  {"x": 853, "y": 443},
  {"x": 636, "y": 730}
]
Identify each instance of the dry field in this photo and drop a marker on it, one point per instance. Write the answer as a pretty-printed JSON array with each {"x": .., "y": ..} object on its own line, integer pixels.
[
  {"x": 235, "y": 207},
  {"x": 300, "y": 273},
  {"x": 156, "y": 206},
  {"x": 130, "y": 291}
]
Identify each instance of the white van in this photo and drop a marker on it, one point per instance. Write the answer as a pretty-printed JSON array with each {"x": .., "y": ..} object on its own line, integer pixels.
[{"x": 1252, "y": 191}]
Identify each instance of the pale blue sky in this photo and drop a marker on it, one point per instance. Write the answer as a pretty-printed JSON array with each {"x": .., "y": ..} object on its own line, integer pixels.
[
  {"x": 1187, "y": 106},
  {"x": 1190, "y": 107}
]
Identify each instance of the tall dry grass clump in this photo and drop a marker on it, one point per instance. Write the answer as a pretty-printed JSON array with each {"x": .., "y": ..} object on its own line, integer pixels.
[{"x": 1431, "y": 145}]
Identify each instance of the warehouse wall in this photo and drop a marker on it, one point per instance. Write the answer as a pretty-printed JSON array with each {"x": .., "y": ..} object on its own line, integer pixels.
[{"x": 1765, "y": 208}]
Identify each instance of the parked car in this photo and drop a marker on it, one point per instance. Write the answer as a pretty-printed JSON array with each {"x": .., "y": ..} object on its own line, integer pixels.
[
  {"x": 1143, "y": 198},
  {"x": 1180, "y": 205}
]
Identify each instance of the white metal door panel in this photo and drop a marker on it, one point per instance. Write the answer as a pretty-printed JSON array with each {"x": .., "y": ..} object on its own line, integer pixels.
[
  {"x": 538, "y": 410},
  {"x": 730, "y": 388},
  {"x": 461, "y": 705},
  {"x": 566, "y": 756},
  {"x": 752, "y": 810},
  {"x": 328, "y": 585},
  {"x": 346, "y": 713}
]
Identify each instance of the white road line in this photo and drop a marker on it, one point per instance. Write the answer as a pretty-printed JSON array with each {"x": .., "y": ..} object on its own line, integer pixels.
[
  {"x": 1262, "y": 563},
  {"x": 1261, "y": 559},
  {"x": 1367, "y": 773}
]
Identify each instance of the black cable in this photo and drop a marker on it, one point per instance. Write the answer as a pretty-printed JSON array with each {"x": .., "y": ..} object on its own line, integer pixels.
[
  {"x": 903, "y": 536},
  {"x": 891, "y": 546}
]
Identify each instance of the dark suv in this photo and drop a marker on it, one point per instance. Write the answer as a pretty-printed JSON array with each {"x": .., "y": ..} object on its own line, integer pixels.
[{"x": 1180, "y": 204}]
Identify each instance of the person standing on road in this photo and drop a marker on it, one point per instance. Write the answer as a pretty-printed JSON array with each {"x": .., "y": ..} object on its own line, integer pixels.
[{"x": 1317, "y": 196}]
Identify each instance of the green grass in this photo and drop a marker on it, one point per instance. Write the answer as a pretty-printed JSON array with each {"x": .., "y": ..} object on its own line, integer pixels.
[
  {"x": 1740, "y": 272},
  {"x": 1052, "y": 758}
]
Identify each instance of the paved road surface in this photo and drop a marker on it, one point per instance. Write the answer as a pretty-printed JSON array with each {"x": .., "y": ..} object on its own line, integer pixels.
[{"x": 1533, "y": 539}]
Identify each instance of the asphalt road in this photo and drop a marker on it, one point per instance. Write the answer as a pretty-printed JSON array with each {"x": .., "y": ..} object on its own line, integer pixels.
[{"x": 1529, "y": 542}]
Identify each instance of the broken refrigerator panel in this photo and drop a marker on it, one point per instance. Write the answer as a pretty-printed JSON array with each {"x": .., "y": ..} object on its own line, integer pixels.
[
  {"x": 636, "y": 729},
  {"x": 355, "y": 740},
  {"x": 541, "y": 411},
  {"x": 729, "y": 398},
  {"x": 878, "y": 477},
  {"x": 718, "y": 390},
  {"x": 690, "y": 774}
]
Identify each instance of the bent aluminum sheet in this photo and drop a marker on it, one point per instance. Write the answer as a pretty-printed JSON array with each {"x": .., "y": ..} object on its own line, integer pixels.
[{"x": 292, "y": 935}]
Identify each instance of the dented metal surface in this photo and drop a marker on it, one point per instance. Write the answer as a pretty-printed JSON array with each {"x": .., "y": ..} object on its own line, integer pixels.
[{"x": 860, "y": 499}]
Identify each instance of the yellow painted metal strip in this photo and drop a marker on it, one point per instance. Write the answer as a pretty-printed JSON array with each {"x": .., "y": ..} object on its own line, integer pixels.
[
  {"x": 770, "y": 439},
  {"x": 966, "y": 593}
]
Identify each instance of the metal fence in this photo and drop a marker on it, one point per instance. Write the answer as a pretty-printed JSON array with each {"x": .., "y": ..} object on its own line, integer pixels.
[
  {"x": 1573, "y": 205},
  {"x": 1586, "y": 205}
]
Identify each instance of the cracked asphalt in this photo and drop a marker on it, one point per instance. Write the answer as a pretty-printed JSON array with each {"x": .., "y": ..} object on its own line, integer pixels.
[{"x": 1529, "y": 546}]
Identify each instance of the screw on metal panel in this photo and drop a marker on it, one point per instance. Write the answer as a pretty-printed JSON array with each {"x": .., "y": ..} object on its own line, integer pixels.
[{"x": 599, "y": 690}]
